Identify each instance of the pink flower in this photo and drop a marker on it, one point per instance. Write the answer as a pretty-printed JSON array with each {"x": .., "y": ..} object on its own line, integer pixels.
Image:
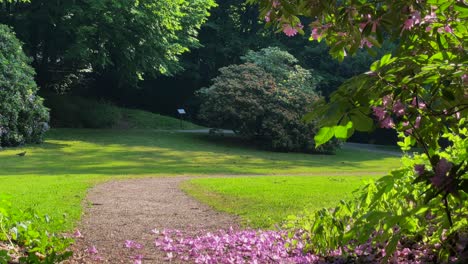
[
  {"x": 441, "y": 170},
  {"x": 387, "y": 100},
  {"x": 315, "y": 34},
  {"x": 414, "y": 19},
  {"x": 92, "y": 250},
  {"x": 362, "y": 26},
  {"x": 448, "y": 29},
  {"x": 379, "y": 112},
  {"x": 387, "y": 122},
  {"x": 275, "y": 3},
  {"x": 137, "y": 259},
  {"x": 431, "y": 18},
  {"x": 409, "y": 23},
  {"x": 418, "y": 103},
  {"x": 465, "y": 79},
  {"x": 267, "y": 16},
  {"x": 417, "y": 123},
  {"x": 428, "y": 28},
  {"x": 132, "y": 244},
  {"x": 420, "y": 169},
  {"x": 169, "y": 256},
  {"x": 366, "y": 42},
  {"x": 77, "y": 234},
  {"x": 291, "y": 31},
  {"x": 399, "y": 108}
]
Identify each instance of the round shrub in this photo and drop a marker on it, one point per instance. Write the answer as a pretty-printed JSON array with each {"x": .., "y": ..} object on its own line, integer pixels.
[
  {"x": 246, "y": 99},
  {"x": 23, "y": 118}
]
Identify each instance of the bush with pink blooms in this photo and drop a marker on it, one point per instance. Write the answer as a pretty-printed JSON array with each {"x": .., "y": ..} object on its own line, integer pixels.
[
  {"x": 420, "y": 90},
  {"x": 264, "y": 100}
]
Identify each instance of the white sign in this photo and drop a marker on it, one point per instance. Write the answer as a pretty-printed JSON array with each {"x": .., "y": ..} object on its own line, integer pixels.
[{"x": 181, "y": 111}]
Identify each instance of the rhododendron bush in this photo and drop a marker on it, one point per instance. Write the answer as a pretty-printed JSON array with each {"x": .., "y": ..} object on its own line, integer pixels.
[
  {"x": 420, "y": 90},
  {"x": 23, "y": 117},
  {"x": 265, "y": 99}
]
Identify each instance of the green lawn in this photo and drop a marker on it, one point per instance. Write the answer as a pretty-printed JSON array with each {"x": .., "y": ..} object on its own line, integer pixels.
[
  {"x": 53, "y": 177},
  {"x": 262, "y": 202},
  {"x": 146, "y": 120}
]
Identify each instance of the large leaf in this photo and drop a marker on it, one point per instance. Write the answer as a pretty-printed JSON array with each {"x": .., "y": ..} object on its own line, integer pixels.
[
  {"x": 341, "y": 132},
  {"x": 324, "y": 135},
  {"x": 361, "y": 121}
]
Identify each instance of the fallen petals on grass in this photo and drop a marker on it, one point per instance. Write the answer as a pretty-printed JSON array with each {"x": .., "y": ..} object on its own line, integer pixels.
[
  {"x": 256, "y": 246},
  {"x": 132, "y": 244},
  {"x": 77, "y": 234},
  {"x": 137, "y": 259},
  {"x": 247, "y": 246},
  {"x": 92, "y": 250}
]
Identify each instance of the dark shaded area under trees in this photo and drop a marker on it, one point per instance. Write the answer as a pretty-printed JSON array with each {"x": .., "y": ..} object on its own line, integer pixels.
[{"x": 92, "y": 49}]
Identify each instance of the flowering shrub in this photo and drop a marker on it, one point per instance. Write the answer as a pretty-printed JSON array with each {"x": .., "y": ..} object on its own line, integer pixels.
[
  {"x": 23, "y": 118},
  {"x": 261, "y": 106},
  {"x": 284, "y": 68},
  {"x": 421, "y": 91}
]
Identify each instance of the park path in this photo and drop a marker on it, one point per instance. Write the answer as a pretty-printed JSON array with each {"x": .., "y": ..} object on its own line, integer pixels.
[
  {"x": 121, "y": 210},
  {"x": 130, "y": 209}
]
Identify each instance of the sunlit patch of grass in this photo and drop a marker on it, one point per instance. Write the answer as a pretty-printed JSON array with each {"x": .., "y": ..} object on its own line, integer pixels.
[
  {"x": 262, "y": 202},
  {"x": 53, "y": 177}
]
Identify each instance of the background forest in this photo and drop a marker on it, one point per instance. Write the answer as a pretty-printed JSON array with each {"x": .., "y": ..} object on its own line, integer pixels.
[
  {"x": 90, "y": 54},
  {"x": 254, "y": 70}
]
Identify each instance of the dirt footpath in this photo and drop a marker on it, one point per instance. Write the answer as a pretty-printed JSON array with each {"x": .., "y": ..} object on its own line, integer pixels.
[{"x": 130, "y": 209}]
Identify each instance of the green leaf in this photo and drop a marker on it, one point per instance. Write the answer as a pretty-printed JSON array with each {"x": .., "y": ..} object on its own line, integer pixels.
[
  {"x": 342, "y": 132},
  {"x": 385, "y": 59},
  {"x": 361, "y": 122},
  {"x": 324, "y": 135}
]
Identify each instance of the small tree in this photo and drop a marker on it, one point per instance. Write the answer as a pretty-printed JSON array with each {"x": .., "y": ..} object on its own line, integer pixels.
[{"x": 23, "y": 118}]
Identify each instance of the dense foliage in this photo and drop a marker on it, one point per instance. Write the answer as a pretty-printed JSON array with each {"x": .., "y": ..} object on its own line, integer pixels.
[
  {"x": 421, "y": 91},
  {"x": 124, "y": 39},
  {"x": 23, "y": 238},
  {"x": 284, "y": 68},
  {"x": 23, "y": 118},
  {"x": 264, "y": 99},
  {"x": 232, "y": 29}
]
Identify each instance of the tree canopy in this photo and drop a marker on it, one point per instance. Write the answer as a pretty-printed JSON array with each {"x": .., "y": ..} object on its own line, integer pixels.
[{"x": 128, "y": 39}]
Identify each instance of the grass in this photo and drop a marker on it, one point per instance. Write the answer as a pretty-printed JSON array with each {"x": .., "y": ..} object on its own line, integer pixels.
[
  {"x": 146, "y": 120},
  {"x": 79, "y": 112},
  {"x": 262, "y": 202},
  {"x": 53, "y": 177},
  {"x": 398, "y": 149}
]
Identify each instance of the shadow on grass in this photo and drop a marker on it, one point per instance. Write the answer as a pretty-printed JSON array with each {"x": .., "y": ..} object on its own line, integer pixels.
[{"x": 146, "y": 152}]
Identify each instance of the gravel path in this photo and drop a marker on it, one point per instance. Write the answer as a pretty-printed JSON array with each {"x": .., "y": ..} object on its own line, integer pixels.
[
  {"x": 122, "y": 210},
  {"x": 130, "y": 209}
]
